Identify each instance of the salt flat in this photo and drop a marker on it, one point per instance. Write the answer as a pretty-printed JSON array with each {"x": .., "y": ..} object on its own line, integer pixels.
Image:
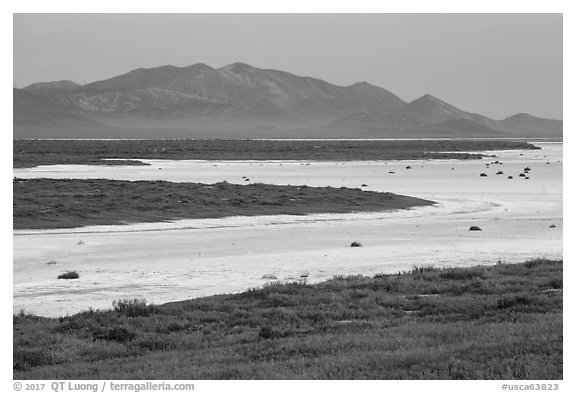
[{"x": 189, "y": 258}]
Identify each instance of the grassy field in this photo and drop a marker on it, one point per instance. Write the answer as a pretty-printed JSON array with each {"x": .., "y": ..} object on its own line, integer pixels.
[
  {"x": 69, "y": 203},
  {"x": 30, "y": 153},
  {"x": 484, "y": 322}
]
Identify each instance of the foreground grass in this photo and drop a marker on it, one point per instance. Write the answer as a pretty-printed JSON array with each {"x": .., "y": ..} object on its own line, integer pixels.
[
  {"x": 497, "y": 322},
  {"x": 30, "y": 153},
  {"x": 68, "y": 203}
]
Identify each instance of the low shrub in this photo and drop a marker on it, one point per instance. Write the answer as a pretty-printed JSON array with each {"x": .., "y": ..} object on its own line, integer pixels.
[
  {"x": 154, "y": 343},
  {"x": 267, "y": 332},
  {"x": 356, "y": 244},
  {"x": 535, "y": 262},
  {"x": 555, "y": 283},
  {"x": 69, "y": 276},
  {"x": 508, "y": 302},
  {"x": 133, "y": 308},
  {"x": 422, "y": 269},
  {"x": 177, "y": 326},
  {"x": 26, "y": 358},
  {"x": 462, "y": 274},
  {"x": 119, "y": 334},
  {"x": 71, "y": 325}
]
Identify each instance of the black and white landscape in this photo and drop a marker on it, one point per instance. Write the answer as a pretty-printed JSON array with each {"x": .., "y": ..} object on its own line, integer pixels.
[{"x": 210, "y": 221}]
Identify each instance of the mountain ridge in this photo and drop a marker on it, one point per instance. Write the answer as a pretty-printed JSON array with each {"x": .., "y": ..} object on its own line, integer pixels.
[{"x": 240, "y": 96}]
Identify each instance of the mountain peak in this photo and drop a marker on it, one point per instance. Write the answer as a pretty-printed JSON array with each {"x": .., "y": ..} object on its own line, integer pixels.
[
  {"x": 431, "y": 110},
  {"x": 429, "y": 98},
  {"x": 521, "y": 115},
  {"x": 200, "y": 66},
  {"x": 429, "y": 101},
  {"x": 238, "y": 67},
  {"x": 361, "y": 85}
]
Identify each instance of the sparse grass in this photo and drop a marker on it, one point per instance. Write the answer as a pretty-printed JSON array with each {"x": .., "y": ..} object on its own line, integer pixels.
[
  {"x": 484, "y": 322},
  {"x": 29, "y": 153},
  {"x": 69, "y": 203},
  {"x": 423, "y": 269}
]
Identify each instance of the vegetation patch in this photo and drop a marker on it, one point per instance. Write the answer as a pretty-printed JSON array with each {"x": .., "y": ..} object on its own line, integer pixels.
[
  {"x": 69, "y": 203},
  {"x": 484, "y": 322},
  {"x": 30, "y": 153}
]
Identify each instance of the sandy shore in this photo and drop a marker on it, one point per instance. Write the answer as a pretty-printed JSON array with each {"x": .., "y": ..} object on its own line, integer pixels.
[{"x": 174, "y": 261}]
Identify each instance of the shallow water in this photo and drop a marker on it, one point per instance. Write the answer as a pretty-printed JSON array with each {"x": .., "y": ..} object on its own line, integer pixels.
[{"x": 173, "y": 261}]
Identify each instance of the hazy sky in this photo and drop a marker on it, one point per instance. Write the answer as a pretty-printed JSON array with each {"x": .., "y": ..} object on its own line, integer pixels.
[{"x": 493, "y": 64}]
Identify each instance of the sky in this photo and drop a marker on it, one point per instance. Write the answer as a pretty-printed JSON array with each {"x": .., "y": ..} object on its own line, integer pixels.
[{"x": 493, "y": 64}]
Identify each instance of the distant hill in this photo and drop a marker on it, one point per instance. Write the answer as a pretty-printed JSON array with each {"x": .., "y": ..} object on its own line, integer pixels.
[
  {"x": 525, "y": 124},
  {"x": 431, "y": 117},
  {"x": 41, "y": 110},
  {"x": 377, "y": 121},
  {"x": 239, "y": 101},
  {"x": 51, "y": 87},
  {"x": 455, "y": 128}
]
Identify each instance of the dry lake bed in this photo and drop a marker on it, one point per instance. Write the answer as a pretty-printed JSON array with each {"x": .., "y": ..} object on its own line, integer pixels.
[{"x": 161, "y": 262}]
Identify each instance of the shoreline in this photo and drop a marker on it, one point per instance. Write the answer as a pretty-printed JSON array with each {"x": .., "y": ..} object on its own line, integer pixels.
[
  {"x": 297, "y": 279},
  {"x": 229, "y": 222},
  {"x": 233, "y": 254}
]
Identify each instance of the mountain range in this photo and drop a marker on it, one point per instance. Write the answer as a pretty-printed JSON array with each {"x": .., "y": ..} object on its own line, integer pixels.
[{"x": 241, "y": 101}]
